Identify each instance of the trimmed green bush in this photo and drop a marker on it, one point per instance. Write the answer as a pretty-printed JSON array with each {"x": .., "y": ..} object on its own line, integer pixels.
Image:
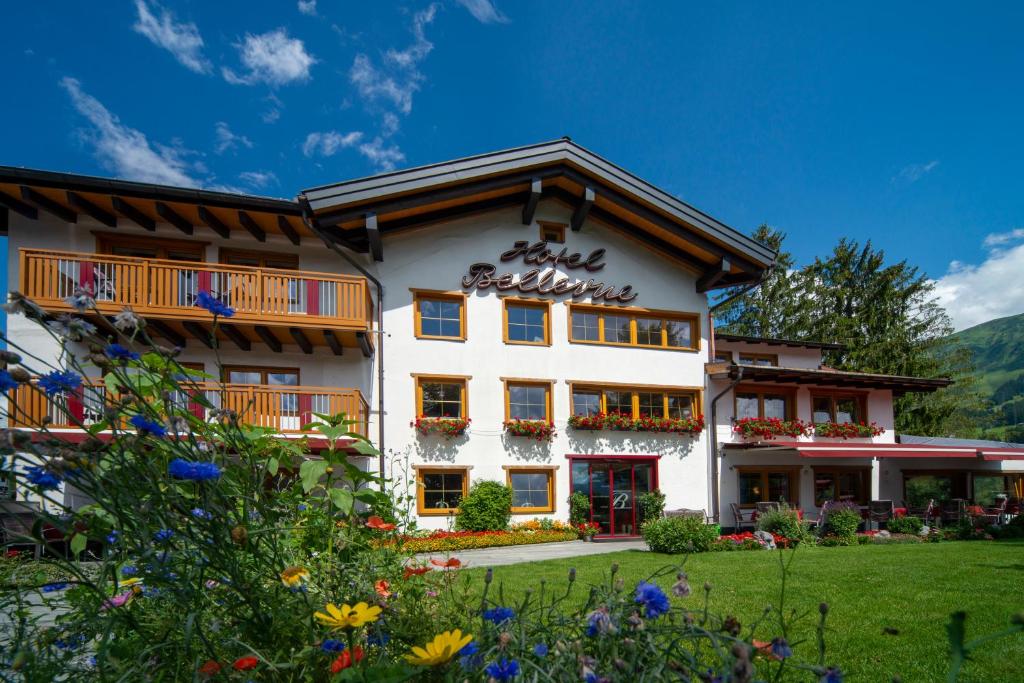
[
  {"x": 579, "y": 509},
  {"x": 785, "y": 522},
  {"x": 843, "y": 523},
  {"x": 650, "y": 505},
  {"x": 488, "y": 507},
  {"x": 679, "y": 534},
  {"x": 905, "y": 525}
]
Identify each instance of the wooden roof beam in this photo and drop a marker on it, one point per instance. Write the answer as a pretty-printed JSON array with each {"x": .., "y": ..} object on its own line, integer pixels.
[
  {"x": 89, "y": 209},
  {"x": 530, "y": 208},
  {"x": 333, "y": 342},
  {"x": 46, "y": 204},
  {"x": 287, "y": 230},
  {"x": 373, "y": 237},
  {"x": 174, "y": 218},
  {"x": 582, "y": 209},
  {"x": 199, "y": 332},
  {"x": 268, "y": 338},
  {"x": 240, "y": 340},
  {"x": 364, "y": 344},
  {"x": 249, "y": 224},
  {"x": 301, "y": 339},
  {"x": 712, "y": 276},
  {"x": 214, "y": 223},
  {"x": 167, "y": 332},
  {"x": 133, "y": 214},
  {"x": 18, "y": 206}
]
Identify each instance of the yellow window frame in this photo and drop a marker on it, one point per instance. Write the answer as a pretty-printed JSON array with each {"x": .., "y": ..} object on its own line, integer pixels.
[
  {"x": 634, "y": 314},
  {"x": 419, "y": 295},
  {"x": 462, "y": 380},
  {"x": 666, "y": 392},
  {"x": 546, "y": 384},
  {"x": 420, "y": 488},
  {"x": 549, "y": 471},
  {"x": 544, "y": 305}
]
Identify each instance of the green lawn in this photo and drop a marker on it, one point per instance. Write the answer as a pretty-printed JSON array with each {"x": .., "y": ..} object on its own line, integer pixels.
[{"x": 871, "y": 591}]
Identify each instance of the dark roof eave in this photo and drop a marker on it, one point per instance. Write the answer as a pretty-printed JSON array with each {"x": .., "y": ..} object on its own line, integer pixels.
[
  {"x": 896, "y": 383},
  {"x": 772, "y": 341}
]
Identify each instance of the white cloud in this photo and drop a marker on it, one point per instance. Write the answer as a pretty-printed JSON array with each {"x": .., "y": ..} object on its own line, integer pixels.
[
  {"x": 124, "y": 150},
  {"x": 913, "y": 172},
  {"x": 271, "y": 58},
  {"x": 271, "y": 115},
  {"x": 307, "y": 7},
  {"x": 384, "y": 158},
  {"x": 388, "y": 124},
  {"x": 329, "y": 142},
  {"x": 484, "y": 11},
  {"x": 973, "y": 294},
  {"x": 227, "y": 140},
  {"x": 180, "y": 39},
  {"x": 258, "y": 179}
]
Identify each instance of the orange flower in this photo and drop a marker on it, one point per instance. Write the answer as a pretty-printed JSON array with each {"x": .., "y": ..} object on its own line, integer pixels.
[
  {"x": 382, "y": 587},
  {"x": 344, "y": 660},
  {"x": 450, "y": 563},
  {"x": 376, "y": 522},
  {"x": 765, "y": 648},
  {"x": 245, "y": 663},
  {"x": 209, "y": 668},
  {"x": 414, "y": 571}
]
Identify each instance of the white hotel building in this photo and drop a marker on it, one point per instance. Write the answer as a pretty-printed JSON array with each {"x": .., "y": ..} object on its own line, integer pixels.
[{"x": 538, "y": 283}]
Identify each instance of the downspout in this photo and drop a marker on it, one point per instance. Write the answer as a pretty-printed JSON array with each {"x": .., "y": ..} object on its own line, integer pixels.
[
  {"x": 307, "y": 218},
  {"x": 736, "y": 374}
]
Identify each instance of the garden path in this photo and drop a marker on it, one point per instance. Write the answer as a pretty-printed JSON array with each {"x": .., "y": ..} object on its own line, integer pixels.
[{"x": 515, "y": 554}]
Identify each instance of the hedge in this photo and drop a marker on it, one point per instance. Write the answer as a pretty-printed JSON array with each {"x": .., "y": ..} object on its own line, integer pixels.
[{"x": 467, "y": 540}]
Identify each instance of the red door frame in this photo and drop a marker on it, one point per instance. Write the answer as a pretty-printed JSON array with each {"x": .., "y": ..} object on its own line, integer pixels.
[{"x": 608, "y": 459}]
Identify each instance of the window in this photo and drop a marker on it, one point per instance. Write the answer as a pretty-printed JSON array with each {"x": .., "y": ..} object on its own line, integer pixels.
[
  {"x": 151, "y": 247},
  {"x": 259, "y": 259},
  {"x": 628, "y": 327},
  {"x": 440, "y": 489},
  {"x": 669, "y": 402},
  {"x": 841, "y": 483},
  {"x": 552, "y": 232},
  {"x": 527, "y": 322},
  {"x": 763, "y": 402},
  {"x": 527, "y": 400},
  {"x": 532, "y": 489},
  {"x": 838, "y": 408},
  {"x": 279, "y": 377},
  {"x": 766, "y": 359},
  {"x": 440, "y": 396},
  {"x": 439, "y": 315},
  {"x": 722, "y": 357},
  {"x": 768, "y": 485}
]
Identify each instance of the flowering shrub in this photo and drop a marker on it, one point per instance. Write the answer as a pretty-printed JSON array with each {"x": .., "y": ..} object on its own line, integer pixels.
[
  {"x": 745, "y": 541},
  {"x": 588, "y": 529},
  {"x": 767, "y": 428},
  {"x": 623, "y": 422},
  {"x": 449, "y": 427},
  {"x": 441, "y": 541},
  {"x": 540, "y": 430},
  {"x": 784, "y": 523},
  {"x": 847, "y": 430}
]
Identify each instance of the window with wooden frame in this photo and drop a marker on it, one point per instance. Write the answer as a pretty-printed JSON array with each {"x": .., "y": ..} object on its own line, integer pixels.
[
  {"x": 763, "y": 359},
  {"x": 256, "y": 374},
  {"x": 440, "y": 489},
  {"x": 138, "y": 246},
  {"x": 842, "y": 484},
  {"x": 439, "y": 315},
  {"x": 526, "y": 321},
  {"x": 838, "y": 407},
  {"x": 722, "y": 356},
  {"x": 259, "y": 259},
  {"x": 764, "y": 402},
  {"x": 637, "y": 402},
  {"x": 640, "y": 327},
  {"x": 527, "y": 399},
  {"x": 441, "y": 396},
  {"x": 768, "y": 485},
  {"x": 533, "y": 489},
  {"x": 552, "y": 232}
]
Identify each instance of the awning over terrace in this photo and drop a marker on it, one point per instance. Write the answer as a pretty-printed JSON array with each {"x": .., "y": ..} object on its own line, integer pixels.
[{"x": 809, "y": 449}]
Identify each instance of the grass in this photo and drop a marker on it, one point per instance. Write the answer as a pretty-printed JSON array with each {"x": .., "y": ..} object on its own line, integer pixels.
[{"x": 888, "y": 604}]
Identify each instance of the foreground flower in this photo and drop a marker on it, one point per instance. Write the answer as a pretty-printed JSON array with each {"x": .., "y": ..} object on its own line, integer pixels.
[
  {"x": 60, "y": 382},
  {"x": 127, "y": 583},
  {"x": 143, "y": 425},
  {"x": 42, "y": 478},
  {"x": 344, "y": 660},
  {"x": 414, "y": 571},
  {"x": 376, "y": 522},
  {"x": 499, "y": 615},
  {"x": 118, "y": 600},
  {"x": 381, "y": 588},
  {"x": 118, "y": 352},
  {"x": 209, "y": 668},
  {"x": 54, "y": 587},
  {"x": 502, "y": 670},
  {"x": 450, "y": 563},
  {"x": 127, "y": 321},
  {"x": 7, "y": 383},
  {"x": 780, "y": 649},
  {"x": 74, "y": 329},
  {"x": 214, "y": 305},
  {"x": 245, "y": 663},
  {"x": 163, "y": 535},
  {"x": 831, "y": 675},
  {"x": 440, "y": 650},
  {"x": 180, "y": 468},
  {"x": 346, "y": 616},
  {"x": 332, "y": 645},
  {"x": 81, "y": 299},
  {"x": 294, "y": 576},
  {"x": 653, "y": 599}
]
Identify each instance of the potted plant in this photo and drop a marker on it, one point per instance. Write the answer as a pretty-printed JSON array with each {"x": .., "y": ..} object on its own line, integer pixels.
[{"x": 587, "y": 530}]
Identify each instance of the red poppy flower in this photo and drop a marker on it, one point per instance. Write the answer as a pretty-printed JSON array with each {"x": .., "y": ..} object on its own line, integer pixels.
[
  {"x": 245, "y": 663},
  {"x": 210, "y": 668},
  {"x": 376, "y": 522},
  {"x": 414, "y": 571},
  {"x": 344, "y": 660},
  {"x": 381, "y": 587},
  {"x": 450, "y": 563}
]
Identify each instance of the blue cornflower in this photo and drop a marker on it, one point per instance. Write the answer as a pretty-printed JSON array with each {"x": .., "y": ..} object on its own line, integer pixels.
[
  {"x": 302, "y": 507},
  {"x": 540, "y": 649},
  {"x": 499, "y": 614},
  {"x": 780, "y": 648},
  {"x": 118, "y": 352},
  {"x": 42, "y": 477},
  {"x": 7, "y": 383},
  {"x": 163, "y": 535},
  {"x": 60, "y": 382},
  {"x": 200, "y": 513},
  {"x": 214, "y": 305},
  {"x": 831, "y": 675},
  {"x": 469, "y": 657},
  {"x": 146, "y": 426},
  {"x": 72, "y": 643},
  {"x": 378, "y": 639},
  {"x": 331, "y": 645},
  {"x": 653, "y": 599},
  {"x": 113, "y": 537},
  {"x": 129, "y": 570},
  {"x": 599, "y": 622},
  {"x": 180, "y": 468},
  {"x": 503, "y": 670},
  {"x": 54, "y": 587}
]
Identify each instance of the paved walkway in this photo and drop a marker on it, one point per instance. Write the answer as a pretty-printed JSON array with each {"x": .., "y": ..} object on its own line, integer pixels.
[{"x": 515, "y": 554}]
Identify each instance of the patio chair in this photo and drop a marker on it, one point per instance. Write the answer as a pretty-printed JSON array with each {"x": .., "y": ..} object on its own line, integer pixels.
[
  {"x": 766, "y": 507},
  {"x": 687, "y": 512},
  {"x": 954, "y": 510},
  {"x": 996, "y": 513},
  {"x": 880, "y": 511},
  {"x": 742, "y": 517},
  {"x": 16, "y": 521}
]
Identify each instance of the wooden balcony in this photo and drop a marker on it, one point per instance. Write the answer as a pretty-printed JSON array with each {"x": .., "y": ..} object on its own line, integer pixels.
[
  {"x": 274, "y": 307},
  {"x": 283, "y": 409}
]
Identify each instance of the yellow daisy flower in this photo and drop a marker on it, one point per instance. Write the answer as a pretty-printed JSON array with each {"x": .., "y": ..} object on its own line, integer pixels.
[
  {"x": 440, "y": 650},
  {"x": 293, "y": 576},
  {"x": 347, "y": 617},
  {"x": 129, "y": 582}
]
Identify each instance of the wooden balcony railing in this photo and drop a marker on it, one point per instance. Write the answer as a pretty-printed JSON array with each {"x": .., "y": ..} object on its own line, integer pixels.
[
  {"x": 283, "y": 409},
  {"x": 168, "y": 289}
]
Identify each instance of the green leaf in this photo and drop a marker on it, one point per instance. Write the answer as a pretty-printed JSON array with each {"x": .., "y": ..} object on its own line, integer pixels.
[
  {"x": 78, "y": 542},
  {"x": 272, "y": 465},
  {"x": 310, "y": 472},
  {"x": 368, "y": 496},
  {"x": 342, "y": 499},
  {"x": 365, "y": 448}
]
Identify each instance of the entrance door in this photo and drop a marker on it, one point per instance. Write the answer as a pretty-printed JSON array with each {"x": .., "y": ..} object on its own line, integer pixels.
[{"x": 612, "y": 487}]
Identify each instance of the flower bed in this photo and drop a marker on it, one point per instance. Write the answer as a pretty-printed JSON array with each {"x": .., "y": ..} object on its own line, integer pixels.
[
  {"x": 746, "y": 541},
  {"x": 448, "y": 427},
  {"x": 767, "y": 428},
  {"x": 847, "y": 430},
  {"x": 466, "y": 540},
  {"x": 621, "y": 422},
  {"x": 533, "y": 429}
]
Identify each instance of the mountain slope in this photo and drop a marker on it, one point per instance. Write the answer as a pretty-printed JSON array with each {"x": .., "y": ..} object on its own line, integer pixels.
[{"x": 998, "y": 347}]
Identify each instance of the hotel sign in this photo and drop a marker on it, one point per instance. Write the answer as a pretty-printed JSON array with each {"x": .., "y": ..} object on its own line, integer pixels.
[{"x": 482, "y": 275}]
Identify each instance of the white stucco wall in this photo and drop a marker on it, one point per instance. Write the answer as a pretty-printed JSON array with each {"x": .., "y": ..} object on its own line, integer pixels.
[{"x": 789, "y": 357}]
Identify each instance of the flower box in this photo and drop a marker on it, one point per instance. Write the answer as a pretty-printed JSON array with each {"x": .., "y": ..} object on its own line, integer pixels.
[
  {"x": 847, "y": 430},
  {"x": 767, "y": 428},
  {"x": 540, "y": 430},
  {"x": 621, "y": 422},
  {"x": 448, "y": 427}
]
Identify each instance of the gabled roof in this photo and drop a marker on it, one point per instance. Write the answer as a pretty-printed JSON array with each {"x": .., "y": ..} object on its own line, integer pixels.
[
  {"x": 832, "y": 378},
  {"x": 355, "y": 213},
  {"x": 771, "y": 341}
]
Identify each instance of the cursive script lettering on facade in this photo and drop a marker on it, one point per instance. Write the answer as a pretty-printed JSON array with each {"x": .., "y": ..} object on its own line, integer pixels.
[{"x": 483, "y": 275}]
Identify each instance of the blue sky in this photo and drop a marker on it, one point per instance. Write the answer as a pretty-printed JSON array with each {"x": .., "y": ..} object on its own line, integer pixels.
[{"x": 898, "y": 124}]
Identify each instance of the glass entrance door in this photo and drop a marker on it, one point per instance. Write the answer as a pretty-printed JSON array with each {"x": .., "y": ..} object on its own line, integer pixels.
[{"x": 612, "y": 487}]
